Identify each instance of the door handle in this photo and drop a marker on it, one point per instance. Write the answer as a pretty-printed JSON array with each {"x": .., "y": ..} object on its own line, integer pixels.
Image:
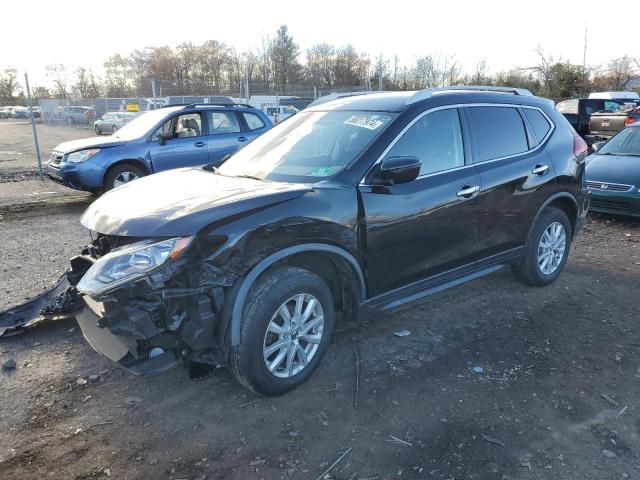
[
  {"x": 468, "y": 191},
  {"x": 199, "y": 144},
  {"x": 540, "y": 169},
  {"x": 242, "y": 139}
]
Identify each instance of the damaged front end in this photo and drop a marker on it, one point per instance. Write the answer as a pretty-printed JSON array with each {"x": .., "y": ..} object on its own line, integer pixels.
[{"x": 147, "y": 303}]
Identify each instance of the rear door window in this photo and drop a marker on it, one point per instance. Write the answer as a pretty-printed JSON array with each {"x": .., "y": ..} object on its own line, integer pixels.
[
  {"x": 223, "y": 122},
  {"x": 496, "y": 132},
  {"x": 538, "y": 122}
]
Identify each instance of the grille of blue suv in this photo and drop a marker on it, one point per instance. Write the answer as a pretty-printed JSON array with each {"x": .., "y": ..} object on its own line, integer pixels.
[{"x": 56, "y": 158}]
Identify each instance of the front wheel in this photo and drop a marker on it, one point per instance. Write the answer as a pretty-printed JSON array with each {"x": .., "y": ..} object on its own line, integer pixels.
[
  {"x": 547, "y": 249},
  {"x": 286, "y": 329},
  {"x": 121, "y": 174},
  {"x": 97, "y": 129}
]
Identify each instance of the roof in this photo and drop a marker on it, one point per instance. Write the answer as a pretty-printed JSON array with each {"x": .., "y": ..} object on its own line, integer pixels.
[{"x": 400, "y": 101}]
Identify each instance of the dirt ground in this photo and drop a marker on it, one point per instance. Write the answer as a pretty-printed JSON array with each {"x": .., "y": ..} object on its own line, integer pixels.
[
  {"x": 495, "y": 381},
  {"x": 17, "y": 150}
]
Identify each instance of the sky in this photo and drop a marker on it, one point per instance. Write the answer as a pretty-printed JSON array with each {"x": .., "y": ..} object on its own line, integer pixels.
[{"x": 505, "y": 33}]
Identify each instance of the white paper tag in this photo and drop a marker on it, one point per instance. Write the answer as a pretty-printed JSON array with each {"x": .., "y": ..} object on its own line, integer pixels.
[{"x": 364, "y": 122}]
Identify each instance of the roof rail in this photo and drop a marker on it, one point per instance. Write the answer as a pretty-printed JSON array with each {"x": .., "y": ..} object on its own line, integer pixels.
[
  {"x": 336, "y": 96},
  {"x": 219, "y": 104},
  {"x": 429, "y": 92}
]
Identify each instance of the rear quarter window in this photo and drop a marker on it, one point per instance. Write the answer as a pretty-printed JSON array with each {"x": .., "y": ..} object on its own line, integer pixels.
[
  {"x": 496, "y": 132},
  {"x": 538, "y": 122}
]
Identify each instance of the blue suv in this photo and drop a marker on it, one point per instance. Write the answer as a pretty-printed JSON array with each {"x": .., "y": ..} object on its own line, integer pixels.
[{"x": 171, "y": 137}]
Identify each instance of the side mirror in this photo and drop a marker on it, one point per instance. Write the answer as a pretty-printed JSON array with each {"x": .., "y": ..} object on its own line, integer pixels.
[
  {"x": 400, "y": 169},
  {"x": 597, "y": 146}
]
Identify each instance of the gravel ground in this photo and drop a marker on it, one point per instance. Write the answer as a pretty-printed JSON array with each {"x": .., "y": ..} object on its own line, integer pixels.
[
  {"x": 17, "y": 150},
  {"x": 495, "y": 381}
]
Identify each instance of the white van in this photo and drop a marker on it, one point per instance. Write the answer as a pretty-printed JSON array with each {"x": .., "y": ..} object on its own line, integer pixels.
[{"x": 615, "y": 95}]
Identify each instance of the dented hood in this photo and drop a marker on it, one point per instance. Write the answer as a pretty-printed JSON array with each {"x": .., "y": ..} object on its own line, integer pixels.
[{"x": 182, "y": 202}]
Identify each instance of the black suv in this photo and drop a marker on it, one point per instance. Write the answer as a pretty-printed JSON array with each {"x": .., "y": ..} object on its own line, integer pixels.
[{"x": 356, "y": 205}]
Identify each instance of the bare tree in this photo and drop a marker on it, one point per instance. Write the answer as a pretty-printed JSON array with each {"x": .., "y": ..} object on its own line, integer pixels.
[{"x": 58, "y": 75}]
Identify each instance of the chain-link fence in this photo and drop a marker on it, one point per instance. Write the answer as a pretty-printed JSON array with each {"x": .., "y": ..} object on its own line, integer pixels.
[{"x": 149, "y": 94}]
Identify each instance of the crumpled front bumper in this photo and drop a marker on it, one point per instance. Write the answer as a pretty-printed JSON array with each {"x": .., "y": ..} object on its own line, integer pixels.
[{"x": 123, "y": 350}]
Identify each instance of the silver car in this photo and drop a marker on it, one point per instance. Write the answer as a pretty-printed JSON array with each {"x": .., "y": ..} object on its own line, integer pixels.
[{"x": 110, "y": 122}]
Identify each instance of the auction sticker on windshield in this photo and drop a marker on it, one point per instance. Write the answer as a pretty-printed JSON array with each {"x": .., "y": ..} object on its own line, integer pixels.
[{"x": 364, "y": 122}]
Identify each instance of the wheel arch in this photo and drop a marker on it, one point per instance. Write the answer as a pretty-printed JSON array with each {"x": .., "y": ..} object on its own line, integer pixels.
[
  {"x": 310, "y": 256},
  {"x": 563, "y": 201},
  {"x": 138, "y": 162}
]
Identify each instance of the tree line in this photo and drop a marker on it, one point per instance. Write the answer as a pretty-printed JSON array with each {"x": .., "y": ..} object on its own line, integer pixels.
[{"x": 278, "y": 66}]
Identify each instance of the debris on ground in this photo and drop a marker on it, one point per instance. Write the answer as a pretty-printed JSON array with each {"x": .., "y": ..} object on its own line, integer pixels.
[
  {"x": 608, "y": 453},
  {"x": 334, "y": 464},
  {"x": 493, "y": 440},
  {"x": 9, "y": 365},
  {"x": 51, "y": 304},
  {"x": 402, "y": 333},
  {"x": 478, "y": 369}
]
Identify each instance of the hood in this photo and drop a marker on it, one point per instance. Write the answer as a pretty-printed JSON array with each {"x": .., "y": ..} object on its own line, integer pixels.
[
  {"x": 181, "y": 202},
  {"x": 623, "y": 169},
  {"x": 93, "y": 142}
]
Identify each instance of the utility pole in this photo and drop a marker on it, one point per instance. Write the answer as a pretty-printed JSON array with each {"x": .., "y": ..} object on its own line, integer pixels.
[
  {"x": 584, "y": 61},
  {"x": 33, "y": 125}
]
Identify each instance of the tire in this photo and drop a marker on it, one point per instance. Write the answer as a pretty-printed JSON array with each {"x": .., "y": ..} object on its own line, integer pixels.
[
  {"x": 279, "y": 288},
  {"x": 116, "y": 175},
  {"x": 69, "y": 121},
  {"x": 531, "y": 269},
  {"x": 113, "y": 129},
  {"x": 97, "y": 129}
]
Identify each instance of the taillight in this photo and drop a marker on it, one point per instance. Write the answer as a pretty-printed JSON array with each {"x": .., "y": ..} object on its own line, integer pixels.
[
  {"x": 580, "y": 147},
  {"x": 629, "y": 121}
]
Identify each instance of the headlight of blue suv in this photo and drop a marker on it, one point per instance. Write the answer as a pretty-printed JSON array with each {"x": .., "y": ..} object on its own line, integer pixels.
[
  {"x": 82, "y": 155},
  {"x": 129, "y": 263}
]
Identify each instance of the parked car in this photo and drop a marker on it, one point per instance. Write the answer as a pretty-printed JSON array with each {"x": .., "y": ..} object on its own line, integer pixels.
[
  {"x": 5, "y": 112},
  {"x": 357, "y": 205},
  {"x": 20, "y": 112},
  {"x": 613, "y": 173},
  {"x": 603, "y": 125},
  {"x": 110, "y": 122},
  {"x": 76, "y": 114},
  {"x": 578, "y": 112},
  {"x": 155, "y": 141}
]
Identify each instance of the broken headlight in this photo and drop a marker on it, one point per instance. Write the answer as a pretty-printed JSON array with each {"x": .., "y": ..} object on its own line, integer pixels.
[{"x": 129, "y": 263}]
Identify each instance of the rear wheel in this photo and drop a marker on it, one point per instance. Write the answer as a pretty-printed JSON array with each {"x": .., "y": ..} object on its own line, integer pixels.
[
  {"x": 285, "y": 331},
  {"x": 121, "y": 174},
  {"x": 547, "y": 249}
]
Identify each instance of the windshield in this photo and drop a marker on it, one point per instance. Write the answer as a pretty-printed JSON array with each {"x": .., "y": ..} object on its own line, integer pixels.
[
  {"x": 626, "y": 142},
  {"x": 309, "y": 147},
  {"x": 142, "y": 125}
]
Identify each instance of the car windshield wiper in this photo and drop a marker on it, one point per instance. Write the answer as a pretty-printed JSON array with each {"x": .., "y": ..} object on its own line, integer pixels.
[
  {"x": 622, "y": 154},
  {"x": 251, "y": 176}
]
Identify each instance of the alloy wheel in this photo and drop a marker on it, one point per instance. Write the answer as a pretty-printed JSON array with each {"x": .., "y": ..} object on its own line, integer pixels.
[
  {"x": 293, "y": 335},
  {"x": 124, "y": 177},
  {"x": 551, "y": 248}
]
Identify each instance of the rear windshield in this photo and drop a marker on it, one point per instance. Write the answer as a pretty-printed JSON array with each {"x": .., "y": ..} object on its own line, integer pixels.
[{"x": 309, "y": 147}]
